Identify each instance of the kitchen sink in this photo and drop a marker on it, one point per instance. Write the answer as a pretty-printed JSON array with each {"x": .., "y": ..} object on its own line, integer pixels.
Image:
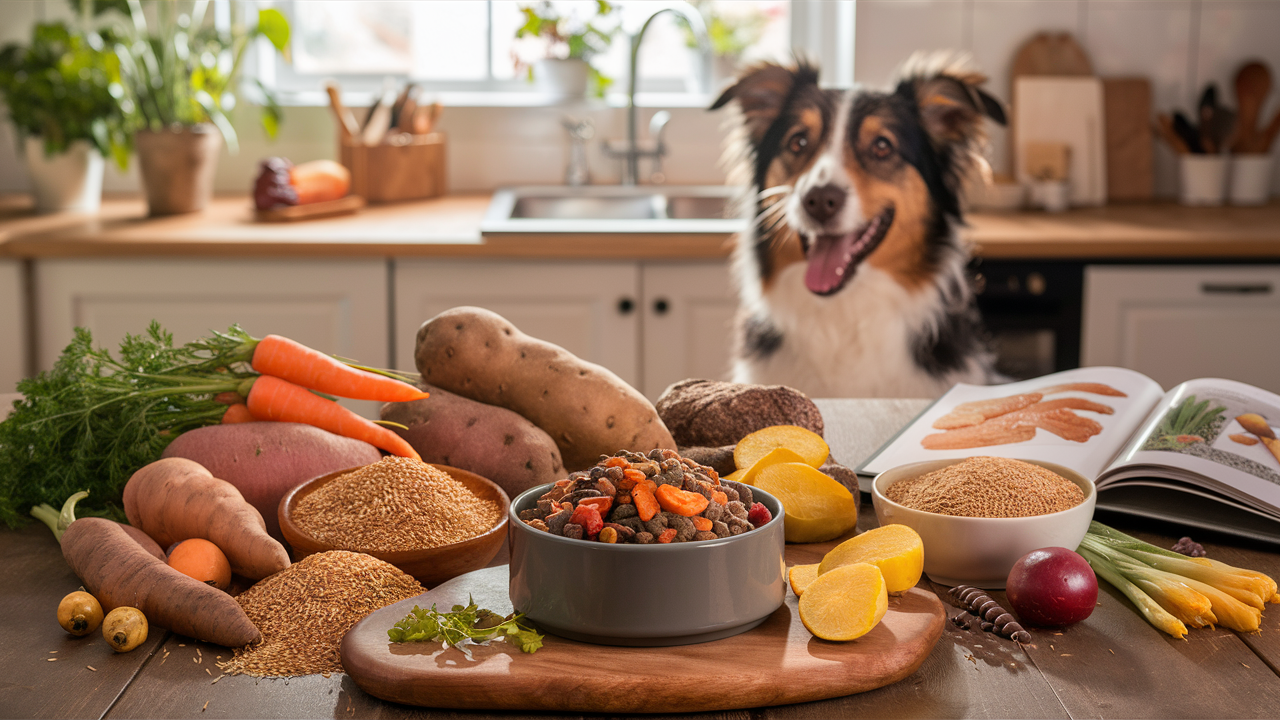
[{"x": 613, "y": 209}]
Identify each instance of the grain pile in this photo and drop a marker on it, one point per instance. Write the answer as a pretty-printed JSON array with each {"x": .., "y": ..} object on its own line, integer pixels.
[
  {"x": 392, "y": 505},
  {"x": 988, "y": 487},
  {"x": 304, "y": 611}
]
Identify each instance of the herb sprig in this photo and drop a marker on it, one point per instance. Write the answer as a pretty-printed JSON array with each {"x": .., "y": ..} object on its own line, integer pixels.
[{"x": 464, "y": 627}]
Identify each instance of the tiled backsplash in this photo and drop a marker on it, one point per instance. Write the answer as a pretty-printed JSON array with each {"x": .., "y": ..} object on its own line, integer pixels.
[{"x": 1178, "y": 44}]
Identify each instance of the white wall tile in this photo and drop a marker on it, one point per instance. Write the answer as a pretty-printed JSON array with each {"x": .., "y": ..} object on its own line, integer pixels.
[
  {"x": 1000, "y": 27},
  {"x": 1151, "y": 39},
  {"x": 1232, "y": 33},
  {"x": 888, "y": 31}
]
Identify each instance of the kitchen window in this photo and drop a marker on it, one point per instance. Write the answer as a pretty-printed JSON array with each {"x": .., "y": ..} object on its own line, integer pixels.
[{"x": 466, "y": 52}]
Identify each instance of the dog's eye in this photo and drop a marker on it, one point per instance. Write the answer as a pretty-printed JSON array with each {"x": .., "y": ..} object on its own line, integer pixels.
[
  {"x": 798, "y": 142},
  {"x": 881, "y": 147}
]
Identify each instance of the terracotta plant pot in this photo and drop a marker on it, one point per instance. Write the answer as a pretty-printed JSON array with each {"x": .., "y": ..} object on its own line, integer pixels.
[
  {"x": 69, "y": 181},
  {"x": 178, "y": 166}
]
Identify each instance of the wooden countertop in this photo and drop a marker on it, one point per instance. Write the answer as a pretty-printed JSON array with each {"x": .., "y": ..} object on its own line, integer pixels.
[
  {"x": 1112, "y": 665},
  {"x": 450, "y": 227}
]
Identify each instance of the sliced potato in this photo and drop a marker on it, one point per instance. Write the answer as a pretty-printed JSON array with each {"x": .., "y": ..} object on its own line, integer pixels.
[
  {"x": 846, "y": 603},
  {"x": 817, "y": 507},
  {"x": 806, "y": 443},
  {"x": 801, "y": 577},
  {"x": 896, "y": 549}
]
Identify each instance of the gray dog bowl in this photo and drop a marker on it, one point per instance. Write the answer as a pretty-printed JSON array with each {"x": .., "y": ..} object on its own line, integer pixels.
[{"x": 646, "y": 595}]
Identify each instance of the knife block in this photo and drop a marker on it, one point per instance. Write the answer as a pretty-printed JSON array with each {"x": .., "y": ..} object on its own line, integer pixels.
[{"x": 397, "y": 170}]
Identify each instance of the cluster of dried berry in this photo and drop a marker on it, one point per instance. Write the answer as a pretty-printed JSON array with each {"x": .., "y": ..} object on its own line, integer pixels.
[{"x": 655, "y": 498}]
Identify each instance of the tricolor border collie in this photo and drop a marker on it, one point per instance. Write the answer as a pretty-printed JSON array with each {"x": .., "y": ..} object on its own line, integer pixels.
[{"x": 852, "y": 279}]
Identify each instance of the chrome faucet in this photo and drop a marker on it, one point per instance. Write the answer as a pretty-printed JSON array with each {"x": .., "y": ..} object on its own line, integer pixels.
[{"x": 631, "y": 153}]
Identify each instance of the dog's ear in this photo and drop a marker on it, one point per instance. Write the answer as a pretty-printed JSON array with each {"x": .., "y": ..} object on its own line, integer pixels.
[{"x": 762, "y": 92}]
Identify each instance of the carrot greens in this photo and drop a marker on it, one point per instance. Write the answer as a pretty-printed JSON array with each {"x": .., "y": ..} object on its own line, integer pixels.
[{"x": 463, "y": 627}]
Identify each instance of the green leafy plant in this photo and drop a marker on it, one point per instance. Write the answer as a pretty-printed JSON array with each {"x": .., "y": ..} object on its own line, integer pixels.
[
  {"x": 569, "y": 37},
  {"x": 731, "y": 33},
  {"x": 66, "y": 86},
  {"x": 464, "y": 627},
  {"x": 1187, "y": 422},
  {"x": 182, "y": 70}
]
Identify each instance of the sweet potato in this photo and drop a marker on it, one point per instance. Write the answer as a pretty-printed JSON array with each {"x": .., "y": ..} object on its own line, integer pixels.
[
  {"x": 587, "y": 410},
  {"x": 265, "y": 460},
  {"x": 174, "y": 499},
  {"x": 119, "y": 572},
  {"x": 490, "y": 441},
  {"x": 319, "y": 181},
  {"x": 712, "y": 413}
]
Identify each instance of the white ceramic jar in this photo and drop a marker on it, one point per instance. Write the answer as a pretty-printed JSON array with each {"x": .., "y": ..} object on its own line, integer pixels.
[{"x": 68, "y": 181}]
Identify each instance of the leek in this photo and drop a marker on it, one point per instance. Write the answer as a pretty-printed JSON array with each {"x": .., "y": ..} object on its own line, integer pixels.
[{"x": 1149, "y": 608}]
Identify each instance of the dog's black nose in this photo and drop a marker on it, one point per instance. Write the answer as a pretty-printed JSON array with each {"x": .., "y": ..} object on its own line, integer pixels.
[{"x": 822, "y": 203}]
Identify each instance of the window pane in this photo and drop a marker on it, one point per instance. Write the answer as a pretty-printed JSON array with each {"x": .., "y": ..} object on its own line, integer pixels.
[
  {"x": 450, "y": 40},
  {"x": 347, "y": 37}
]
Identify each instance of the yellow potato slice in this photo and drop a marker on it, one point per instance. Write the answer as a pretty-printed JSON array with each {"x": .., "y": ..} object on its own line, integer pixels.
[
  {"x": 806, "y": 443},
  {"x": 846, "y": 603},
  {"x": 817, "y": 507},
  {"x": 773, "y": 457},
  {"x": 896, "y": 549},
  {"x": 801, "y": 576}
]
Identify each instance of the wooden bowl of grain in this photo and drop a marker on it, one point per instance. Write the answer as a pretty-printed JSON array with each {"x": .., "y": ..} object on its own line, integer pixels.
[{"x": 430, "y": 565}]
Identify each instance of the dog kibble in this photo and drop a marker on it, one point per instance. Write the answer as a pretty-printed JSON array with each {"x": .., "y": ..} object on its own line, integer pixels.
[{"x": 988, "y": 487}]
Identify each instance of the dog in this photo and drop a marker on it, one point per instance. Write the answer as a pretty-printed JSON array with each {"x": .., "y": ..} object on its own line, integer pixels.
[{"x": 852, "y": 279}]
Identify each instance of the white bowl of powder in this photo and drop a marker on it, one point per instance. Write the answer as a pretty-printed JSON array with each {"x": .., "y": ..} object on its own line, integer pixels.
[{"x": 977, "y": 516}]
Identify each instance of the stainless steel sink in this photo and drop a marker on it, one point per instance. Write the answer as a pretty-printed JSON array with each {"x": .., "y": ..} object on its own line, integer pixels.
[{"x": 613, "y": 209}]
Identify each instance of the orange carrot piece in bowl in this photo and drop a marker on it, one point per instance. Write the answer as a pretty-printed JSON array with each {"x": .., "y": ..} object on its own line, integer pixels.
[
  {"x": 700, "y": 523},
  {"x": 646, "y": 504},
  {"x": 601, "y": 504},
  {"x": 618, "y": 462},
  {"x": 681, "y": 502},
  {"x": 667, "y": 535},
  {"x": 720, "y": 497}
]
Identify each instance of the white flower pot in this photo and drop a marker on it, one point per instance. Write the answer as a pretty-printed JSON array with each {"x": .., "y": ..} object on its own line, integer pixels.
[
  {"x": 1204, "y": 179},
  {"x": 69, "y": 181},
  {"x": 564, "y": 79}
]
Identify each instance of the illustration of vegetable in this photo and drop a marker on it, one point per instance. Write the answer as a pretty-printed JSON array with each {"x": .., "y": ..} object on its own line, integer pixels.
[
  {"x": 1258, "y": 425},
  {"x": 1186, "y": 423}
]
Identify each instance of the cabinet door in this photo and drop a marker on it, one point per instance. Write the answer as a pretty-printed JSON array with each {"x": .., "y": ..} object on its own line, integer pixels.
[
  {"x": 688, "y": 323},
  {"x": 13, "y": 349},
  {"x": 588, "y": 308},
  {"x": 337, "y": 307},
  {"x": 1179, "y": 323}
]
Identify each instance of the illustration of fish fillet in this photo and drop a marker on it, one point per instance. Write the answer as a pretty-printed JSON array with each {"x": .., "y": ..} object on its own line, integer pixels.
[
  {"x": 978, "y": 411},
  {"x": 1055, "y": 416},
  {"x": 1088, "y": 387}
]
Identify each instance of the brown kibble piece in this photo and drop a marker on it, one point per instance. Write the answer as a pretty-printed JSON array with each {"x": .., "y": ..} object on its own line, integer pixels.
[{"x": 988, "y": 487}]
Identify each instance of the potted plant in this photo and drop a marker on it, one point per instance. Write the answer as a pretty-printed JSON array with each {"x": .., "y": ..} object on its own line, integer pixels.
[
  {"x": 732, "y": 29},
  {"x": 181, "y": 79},
  {"x": 566, "y": 44},
  {"x": 62, "y": 94}
]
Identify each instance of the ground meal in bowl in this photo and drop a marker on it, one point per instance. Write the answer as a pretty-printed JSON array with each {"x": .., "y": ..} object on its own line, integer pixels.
[
  {"x": 393, "y": 505},
  {"x": 304, "y": 610},
  {"x": 988, "y": 487}
]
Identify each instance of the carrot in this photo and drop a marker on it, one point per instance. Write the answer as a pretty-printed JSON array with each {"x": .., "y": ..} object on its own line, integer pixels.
[
  {"x": 202, "y": 560},
  {"x": 601, "y": 504},
  {"x": 120, "y": 573},
  {"x": 299, "y": 364},
  {"x": 646, "y": 504},
  {"x": 700, "y": 523},
  {"x": 681, "y": 502},
  {"x": 720, "y": 497},
  {"x": 271, "y": 398},
  {"x": 622, "y": 498},
  {"x": 319, "y": 181},
  {"x": 238, "y": 413},
  {"x": 667, "y": 535},
  {"x": 175, "y": 499},
  {"x": 618, "y": 462}
]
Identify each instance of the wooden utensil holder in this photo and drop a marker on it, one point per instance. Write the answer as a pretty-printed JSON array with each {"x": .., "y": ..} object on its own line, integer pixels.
[{"x": 397, "y": 171}]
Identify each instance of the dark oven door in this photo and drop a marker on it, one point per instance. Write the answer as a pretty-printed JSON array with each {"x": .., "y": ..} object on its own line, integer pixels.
[{"x": 1032, "y": 309}]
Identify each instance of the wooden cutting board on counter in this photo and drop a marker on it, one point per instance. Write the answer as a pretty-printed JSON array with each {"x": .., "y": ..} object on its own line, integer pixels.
[{"x": 776, "y": 663}]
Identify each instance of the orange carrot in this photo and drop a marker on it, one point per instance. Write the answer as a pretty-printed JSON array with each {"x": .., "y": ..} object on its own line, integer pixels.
[
  {"x": 630, "y": 478},
  {"x": 681, "y": 502},
  {"x": 238, "y": 413},
  {"x": 601, "y": 504},
  {"x": 667, "y": 535},
  {"x": 720, "y": 497},
  {"x": 617, "y": 462},
  {"x": 702, "y": 524},
  {"x": 646, "y": 504},
  {"x": 274, "y": 399},
  {"x": 299, "y": 364},
  {"x": 622, "y": 498}
]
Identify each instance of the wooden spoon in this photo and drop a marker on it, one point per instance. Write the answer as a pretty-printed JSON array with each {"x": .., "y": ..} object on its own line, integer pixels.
[{"x": 1253, "y": 83}]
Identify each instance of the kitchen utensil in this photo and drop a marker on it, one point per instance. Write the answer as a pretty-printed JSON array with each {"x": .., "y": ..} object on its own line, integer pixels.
[
  {"x": 1205, "y": 112},
  {"x": 347, "y": 126},
  {"x": 777, "y": 663},
  {"x": 311, "y": 211},
  {"x": 1164, "y": 126},
  {"x": 1065, "y": 110},
  {"x": 1126, "y": 104},
  {"x": 629, "y": 594},
  {"x": 1203, "y": 179},
  {"x": 430, "y": 566},
  {"x": 1188, "y": 132},
  {"x": 981, "y": 551},
  {"x": 393, "y": 172},
  {"x": 1253, "y": 84},
  {"x": 375, "y": 128},
  {"x": 402, "y": 111},
  {"x": 1269, "y": 135}
]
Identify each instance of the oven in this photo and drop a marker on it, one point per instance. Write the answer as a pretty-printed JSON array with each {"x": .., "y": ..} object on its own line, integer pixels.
[{"x": 1032, "y": 310}]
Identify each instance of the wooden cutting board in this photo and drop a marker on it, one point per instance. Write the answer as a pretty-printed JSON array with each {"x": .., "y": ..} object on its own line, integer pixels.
[
  {"x": 776, "y": 663},
  {"x": 1127, "y": 106}
]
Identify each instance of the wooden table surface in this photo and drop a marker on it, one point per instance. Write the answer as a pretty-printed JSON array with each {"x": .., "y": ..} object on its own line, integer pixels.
[{"x": 1112, "y": 665}]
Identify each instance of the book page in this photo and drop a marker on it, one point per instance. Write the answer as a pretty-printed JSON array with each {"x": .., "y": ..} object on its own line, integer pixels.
[
  {"x": 1218, "y": 433},
  {"x": 1077, "y": 418}
]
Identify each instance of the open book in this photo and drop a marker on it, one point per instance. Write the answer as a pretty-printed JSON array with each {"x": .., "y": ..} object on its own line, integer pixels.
[{"x": 1203, "y": 454}]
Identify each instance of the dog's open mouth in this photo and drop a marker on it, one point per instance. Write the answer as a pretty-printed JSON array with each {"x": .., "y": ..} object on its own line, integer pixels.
[{"x": 834, "y": 258}]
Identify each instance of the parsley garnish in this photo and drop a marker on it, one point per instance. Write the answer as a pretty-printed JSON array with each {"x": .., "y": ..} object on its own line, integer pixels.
[{"x": 463, "y": 627}]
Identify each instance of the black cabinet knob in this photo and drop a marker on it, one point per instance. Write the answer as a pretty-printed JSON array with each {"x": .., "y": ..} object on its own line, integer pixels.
[
  {"x": 661, "y": 306},
  {"x": 625, "y": 306}
]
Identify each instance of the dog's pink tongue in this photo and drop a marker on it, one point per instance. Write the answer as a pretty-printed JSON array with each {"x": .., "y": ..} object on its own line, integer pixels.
[{"x": 829, "y": 257}]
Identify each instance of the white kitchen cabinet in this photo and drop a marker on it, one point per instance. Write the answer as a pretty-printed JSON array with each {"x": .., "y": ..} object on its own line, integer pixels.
[
  {"x": 13, "y": 348},
  {"x": 1175, "y": 323},
  {"x": 336, "y": 306},
  {"x": 589, "y": 308},
  {"x": 688, "y": 322}
]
